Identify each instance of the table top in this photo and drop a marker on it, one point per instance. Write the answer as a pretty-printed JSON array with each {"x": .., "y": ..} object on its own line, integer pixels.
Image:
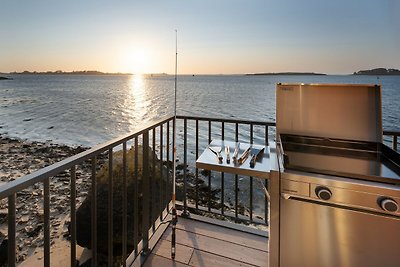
[{"x": 209, "y": 161}]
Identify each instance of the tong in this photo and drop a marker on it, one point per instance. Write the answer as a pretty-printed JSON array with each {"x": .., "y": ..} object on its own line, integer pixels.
[
  {"x": 228, "y": 157},
  {"x": 236, "y": 152},
  {"x": 244, "y": 155},
  {"x": 217, "y": 151}
]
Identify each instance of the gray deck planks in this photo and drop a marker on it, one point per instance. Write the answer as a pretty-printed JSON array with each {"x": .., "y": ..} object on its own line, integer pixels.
[
  {"x": 234, "y": 236},
  {"x": 203, "y": 244},
  {"x": 220, "y": 247},
  {"x": 158, "y": 261},
  {"x": 183, "y": 253},
  {"x": 201, "y": 259}
]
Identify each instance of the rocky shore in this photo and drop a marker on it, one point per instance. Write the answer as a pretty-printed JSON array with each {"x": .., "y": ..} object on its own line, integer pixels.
[{"x": 20, "y": 157}]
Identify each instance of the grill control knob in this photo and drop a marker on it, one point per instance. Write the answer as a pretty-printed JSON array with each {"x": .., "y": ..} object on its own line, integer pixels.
[
  {"x": 323, "y": 193},
  {"x": 388, "y": 204}
]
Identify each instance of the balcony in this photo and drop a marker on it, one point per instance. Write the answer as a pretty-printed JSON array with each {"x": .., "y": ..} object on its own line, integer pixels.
[{"x": 131, "y": 184}]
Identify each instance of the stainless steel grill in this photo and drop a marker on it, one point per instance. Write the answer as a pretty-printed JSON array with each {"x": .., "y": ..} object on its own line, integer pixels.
[{"x": 338, "y": 192}]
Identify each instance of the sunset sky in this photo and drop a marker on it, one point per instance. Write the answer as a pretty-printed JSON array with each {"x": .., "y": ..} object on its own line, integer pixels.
[{"x": 214, "y": 36}]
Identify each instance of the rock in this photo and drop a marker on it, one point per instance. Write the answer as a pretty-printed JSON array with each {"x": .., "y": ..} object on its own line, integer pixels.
[
  {"x": 3, "y": 215},
  {"x": 3, "y": 250},
  {"x": 180, "y": 167},
  {"x": 83, "y": 213},
  {"x": 32, "y": 231}
]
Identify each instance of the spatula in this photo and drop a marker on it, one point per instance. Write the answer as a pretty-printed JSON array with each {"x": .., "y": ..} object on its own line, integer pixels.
[{"x": 255, "y": 154}]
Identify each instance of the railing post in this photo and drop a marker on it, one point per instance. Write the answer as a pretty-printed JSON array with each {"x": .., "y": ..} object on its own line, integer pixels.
[
  {"x": 168, "y": 187},
  {"x": 124, "y": 205},
  {"x": 11, "y": 230},
  {"x": 110, "y": 207},
  {"x": 94, "y": 214},
  {"x": 209, "y": 173},
  {"x": 236, "y": 176},
  {"x": 163, "y": 200},
  {"x": 185, "y": 211},
  {"x": 136, "y": 199},
  {"x": 73, "y": 216},
  {"x": 222, "y": 174},
  {"x": 153, "y": 181},
  {"x": 394, "y": 145},
  {"x": 266, "y": 205},
  {"x": 46, "y": 223},
  {"x": 251, "y": 178},
  {"x": 145, "y": 193},
  {"x": 197, "y": 170}
]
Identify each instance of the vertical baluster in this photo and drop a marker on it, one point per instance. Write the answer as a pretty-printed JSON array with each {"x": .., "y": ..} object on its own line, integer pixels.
[
  {"x": 153, "y": 181},
  {"x": 73, "y": 215},
  {"x": 173, "y": 150},
  {"x": 168, "y": 187},
  {"x": 197, "y": 170},
  {"x": 46, "y": 223},
  {"x": 94, "y": 214},
  {"x": 236, "y": 176},
  {"x": 124, "y": 205},
  {"x": 209, "y": 173},
  {"x": 145, "y": 193},
  {"x": 251, "y": 178},
  {"x": 394, "y": 145},
  {"x": 110, "y": 207},
  {"x": 136, "y": 199},
  {"x": 11, "y": 230},
  {"x": 162, "y": 200},
  {"x": 185, "y": 212},
  {"x": 266, "y": 180},
  {"x": 222, "y": 174}
]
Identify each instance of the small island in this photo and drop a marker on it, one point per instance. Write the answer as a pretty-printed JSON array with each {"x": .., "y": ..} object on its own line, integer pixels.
[
  {"x": 378, "y": 72},
  {"x": 287, "y": 73}
]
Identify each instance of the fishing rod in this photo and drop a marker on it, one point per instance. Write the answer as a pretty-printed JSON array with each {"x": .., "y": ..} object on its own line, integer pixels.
[{"x": 174, "y": 214}]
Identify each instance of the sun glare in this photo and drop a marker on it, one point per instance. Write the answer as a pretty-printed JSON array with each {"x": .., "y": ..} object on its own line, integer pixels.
[{"x": 137, "y": 61}]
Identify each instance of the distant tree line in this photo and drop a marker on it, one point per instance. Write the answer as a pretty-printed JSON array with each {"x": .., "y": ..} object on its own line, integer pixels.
[
  {"x": 81, "y": 72},
  {"x": 378, "y": 71}
]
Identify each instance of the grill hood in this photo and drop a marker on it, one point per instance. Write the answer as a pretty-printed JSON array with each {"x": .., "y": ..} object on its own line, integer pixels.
[{"x": 341, "y": 111}]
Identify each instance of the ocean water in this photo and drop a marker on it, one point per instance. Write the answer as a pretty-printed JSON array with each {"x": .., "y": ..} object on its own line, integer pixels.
[{"x": 88, "y": 110}]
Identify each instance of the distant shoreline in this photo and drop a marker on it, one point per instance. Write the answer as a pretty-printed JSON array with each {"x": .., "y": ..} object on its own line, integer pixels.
[
  {"x": 85, "y": 72},
  {"x": 285, "y": 73},
  {"x": 378, "y": 72}
]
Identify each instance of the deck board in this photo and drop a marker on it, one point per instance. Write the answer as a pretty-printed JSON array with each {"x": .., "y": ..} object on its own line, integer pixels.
[
  {"x": 234, "y": 236},
  {"x": 201, "y": 258},
  {"x": 183, "y": 253},
  {"x": 155, "y": 260},
  {"x": 203, "y": 244}
]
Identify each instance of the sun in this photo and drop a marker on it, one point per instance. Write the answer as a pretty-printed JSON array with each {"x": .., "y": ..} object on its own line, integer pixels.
[{"x": 137, "y": 61}]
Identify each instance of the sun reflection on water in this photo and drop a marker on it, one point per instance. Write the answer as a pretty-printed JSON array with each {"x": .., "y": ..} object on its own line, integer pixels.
[{"x": 136, "y": 101}]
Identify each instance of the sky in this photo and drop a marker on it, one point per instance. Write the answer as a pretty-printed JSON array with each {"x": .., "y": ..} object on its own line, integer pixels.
[{"x": 214, "y": 36}]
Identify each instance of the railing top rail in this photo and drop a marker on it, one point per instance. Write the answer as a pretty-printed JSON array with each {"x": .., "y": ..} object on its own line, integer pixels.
[
  {"x": 264, "y": 123},
  {"x": 42, "y": 174},
  {"x": 394, "y": 133},
  {"x": 14, "y": 186}
]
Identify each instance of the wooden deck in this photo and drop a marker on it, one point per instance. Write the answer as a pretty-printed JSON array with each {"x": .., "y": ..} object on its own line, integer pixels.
[{"x": 204, "y": 244}]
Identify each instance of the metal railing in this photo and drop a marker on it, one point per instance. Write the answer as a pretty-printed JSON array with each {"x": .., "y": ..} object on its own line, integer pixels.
[
  {"x": 394, "y": 136},
  {"x": 151, "y": 200},
  {"x": 151, "y": 204},
  {"x": 198, "y": 132}
]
